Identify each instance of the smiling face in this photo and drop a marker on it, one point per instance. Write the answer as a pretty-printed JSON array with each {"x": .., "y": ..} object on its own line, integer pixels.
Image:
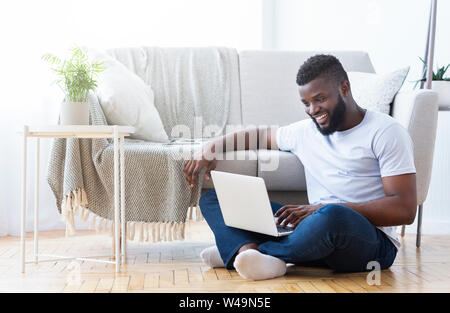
[{"x": 324, "y": 104}]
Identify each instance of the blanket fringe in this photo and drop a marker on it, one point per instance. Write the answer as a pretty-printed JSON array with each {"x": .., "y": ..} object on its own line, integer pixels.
[
  {"x": 194, "y": 214},
  {"x": 75, "y": 204}
]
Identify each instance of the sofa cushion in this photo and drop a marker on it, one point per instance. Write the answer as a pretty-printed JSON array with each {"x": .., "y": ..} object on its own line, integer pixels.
[
  {"x": 375, "y": 91},
  {"x": 281, "y": 170},
  {"x": 269, "y": 93},
  {"x": 238, "y": 162},
  {"x": 127, "y": 100}
]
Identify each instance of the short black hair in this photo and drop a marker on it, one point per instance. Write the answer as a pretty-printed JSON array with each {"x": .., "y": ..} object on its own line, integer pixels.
[{"x": 321, "y": 65}]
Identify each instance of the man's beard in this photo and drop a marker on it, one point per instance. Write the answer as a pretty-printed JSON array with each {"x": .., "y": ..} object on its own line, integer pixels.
[{"x": 336, "y": 118}]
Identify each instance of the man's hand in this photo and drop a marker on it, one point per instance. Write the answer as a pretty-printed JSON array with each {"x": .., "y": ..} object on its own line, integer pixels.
[
  {"x": 193, "y": 167},
  {"x": 294, "y": 214}
]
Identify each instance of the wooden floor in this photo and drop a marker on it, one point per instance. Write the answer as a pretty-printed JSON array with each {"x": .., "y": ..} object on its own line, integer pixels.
[{"x": 176, "y": 267}]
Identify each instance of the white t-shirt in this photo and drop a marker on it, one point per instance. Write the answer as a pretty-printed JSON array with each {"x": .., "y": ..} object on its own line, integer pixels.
[{"x": 347, "y": 166}]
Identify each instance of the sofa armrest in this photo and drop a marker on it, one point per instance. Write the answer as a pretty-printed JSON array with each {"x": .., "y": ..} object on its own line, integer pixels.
[{"x": 417, "y": 111}]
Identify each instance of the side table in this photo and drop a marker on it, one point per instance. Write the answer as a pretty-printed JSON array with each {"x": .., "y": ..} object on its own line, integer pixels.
[{"x": 118, "y": 133}]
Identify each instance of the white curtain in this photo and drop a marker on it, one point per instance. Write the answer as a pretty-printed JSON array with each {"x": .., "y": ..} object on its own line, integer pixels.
[{"x": 28, "y": 29}]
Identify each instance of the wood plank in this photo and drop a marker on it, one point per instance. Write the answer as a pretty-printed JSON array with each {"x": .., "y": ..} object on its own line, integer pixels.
[
  {"x": 208, "y": 273},
  {"x": 195, "y": 274},
  {"x": 235, "y": 275},
  {"x": 136, "y": 282},
  {"x": 181, "y": 277},
  {"x": 322, "y": 286},
  {"x": 246, "y": 288},
  {"x": 263, "y": 289},
  {"x": 350, "y": 285},
  {"x": 307, "y": 286},
  {"x": 151, "y": 280},
  {"x": 71, "y": 288},
  {"x": 293, "y": 288},
  {"x": 89, "y": 285},
  {"x": 120, "y": 284},
  {"x": 104, "y": 285},
  {"x": 166, "y": 279},
  {"x": 222, "y": 273},
  {"x": 336, "y": 286},
  {"x": 141, "y": 258},
  {"x": 279, "y": 289}
]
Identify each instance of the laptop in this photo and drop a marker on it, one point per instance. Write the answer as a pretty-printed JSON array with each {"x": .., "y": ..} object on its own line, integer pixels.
[{"x": 245, "y": 204}]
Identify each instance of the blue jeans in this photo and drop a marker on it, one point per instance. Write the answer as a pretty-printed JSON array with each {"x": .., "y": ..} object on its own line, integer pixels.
[{"x": 334, "y": 236}]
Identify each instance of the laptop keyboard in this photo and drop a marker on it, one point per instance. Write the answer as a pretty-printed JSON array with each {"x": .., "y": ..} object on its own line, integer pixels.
[
  {"x": 285, "y": 229},
  {"x": 282, "y": 229}
]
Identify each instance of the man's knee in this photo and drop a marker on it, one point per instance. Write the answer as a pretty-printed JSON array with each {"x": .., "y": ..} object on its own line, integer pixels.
[
  {"x": 335, "y": 210},
  {"x": 336, "y": 215}
]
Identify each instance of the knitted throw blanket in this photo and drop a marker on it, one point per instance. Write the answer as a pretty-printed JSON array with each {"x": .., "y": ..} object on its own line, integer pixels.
[
  {"x": 158, "y": 200},
  {"x": 192, "y": 86}
]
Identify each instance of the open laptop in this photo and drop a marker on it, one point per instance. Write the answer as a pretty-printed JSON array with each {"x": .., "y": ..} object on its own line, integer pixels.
[{"x": 245, "y": 203}]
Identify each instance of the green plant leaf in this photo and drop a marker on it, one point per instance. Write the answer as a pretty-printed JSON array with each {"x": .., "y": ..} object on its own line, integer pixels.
[
  {"x": 75, "y": 74},
  {"x": 438, "y": 75}
]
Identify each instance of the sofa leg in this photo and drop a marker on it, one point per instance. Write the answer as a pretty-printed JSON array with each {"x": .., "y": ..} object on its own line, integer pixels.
[
  {"x": 403, "y": 231},
  {"x": 419, "y": 226}
]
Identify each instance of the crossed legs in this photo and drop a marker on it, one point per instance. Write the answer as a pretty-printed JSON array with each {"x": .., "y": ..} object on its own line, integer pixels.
[{"x": 334, "y": 236}]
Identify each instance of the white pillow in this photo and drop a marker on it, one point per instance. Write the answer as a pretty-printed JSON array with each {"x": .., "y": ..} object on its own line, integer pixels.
[
  {"x": 126, "y": 99},
  {"x": 374, "y": 91}
]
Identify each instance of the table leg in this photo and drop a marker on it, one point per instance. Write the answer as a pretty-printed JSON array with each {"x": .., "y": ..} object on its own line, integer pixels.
[
  {"x": 36, "y": 204},
  {"x": 122, "y": 201},
  {"x": 116, "y": 198},
  {"x": 24, "y": 199},
  {"x": 113, "y": 246}
]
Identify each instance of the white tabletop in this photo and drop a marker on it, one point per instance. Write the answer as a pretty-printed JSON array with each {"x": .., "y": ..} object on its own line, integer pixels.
[{"x": 77, "y": 131}]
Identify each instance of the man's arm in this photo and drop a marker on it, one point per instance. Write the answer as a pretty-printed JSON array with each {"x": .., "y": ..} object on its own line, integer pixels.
[
  {"x": 247, "y": 139},
  {"x": 398, "y": 207}
]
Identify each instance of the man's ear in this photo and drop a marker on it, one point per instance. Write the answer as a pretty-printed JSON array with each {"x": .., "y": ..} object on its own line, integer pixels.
[{"x": 345, "y": 88}]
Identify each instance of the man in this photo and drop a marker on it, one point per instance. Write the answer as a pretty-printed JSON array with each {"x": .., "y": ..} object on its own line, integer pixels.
[{"x": 360, "y": 177}]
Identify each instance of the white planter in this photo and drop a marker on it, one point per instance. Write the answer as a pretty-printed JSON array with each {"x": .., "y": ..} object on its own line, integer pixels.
[
  {"x": 74, "y": 113},
  {"x": 442, "y": 87}
]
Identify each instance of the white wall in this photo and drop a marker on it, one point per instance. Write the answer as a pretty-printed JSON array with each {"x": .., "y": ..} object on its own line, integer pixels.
[
  {"x": 436, "y": 209},
  {"x": 393, "y": 32},
  {"x": 394, "y": 35},
  {"x": 31, "y": 28}
]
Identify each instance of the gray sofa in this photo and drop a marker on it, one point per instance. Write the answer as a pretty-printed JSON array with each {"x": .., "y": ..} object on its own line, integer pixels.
[{"x": 268, "y": 95}]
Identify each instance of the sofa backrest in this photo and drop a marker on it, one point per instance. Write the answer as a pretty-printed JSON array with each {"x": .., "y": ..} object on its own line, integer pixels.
[
  {"x": 136, "y": 60},
  {"x": 263, "y": 84},
  {"x": 269, "y": 93}
]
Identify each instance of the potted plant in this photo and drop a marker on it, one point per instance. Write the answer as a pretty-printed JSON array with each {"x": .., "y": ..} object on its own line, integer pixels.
[
  {"x": 76, "y": 77},
  {"x": 440, "y": 84}
]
